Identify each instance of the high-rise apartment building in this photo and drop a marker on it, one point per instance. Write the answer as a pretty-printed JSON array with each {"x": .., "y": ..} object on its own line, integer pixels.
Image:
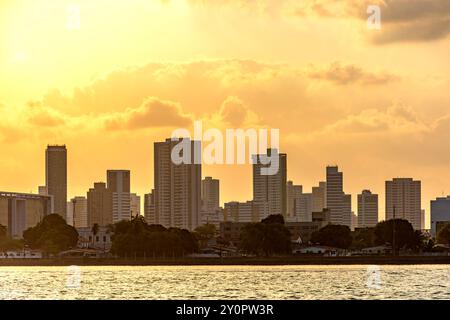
[
  {"x": 347, "y": 213},
  {"x": 440, "y": 214},
  {"x": 119, "y": 184},
  {"x": 367, "y": 209},
  {"x": 99, "y": 205},
  {"x": 303, "y": 204},
  {"x": 149, "y": 208},
  {"x": 177, "y": 186},
  {"x": 335, "y": 195},
  {"x": 210, "y": 194},
  {"x": 319, "y": 197},
  {"x": 79, "y": 212},
  {"x": 56, "y": 177},
  {"x": 247, "y": 212},
  {"x": 292, "y": 192},
  {"x": 269, "y": 190},
  {"x": 135, "y": 204},
  {"x": 403, "y": 197}
]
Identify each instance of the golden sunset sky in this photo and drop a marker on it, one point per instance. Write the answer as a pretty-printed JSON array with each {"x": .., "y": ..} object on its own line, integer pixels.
[{"x": 127, "y": 73}]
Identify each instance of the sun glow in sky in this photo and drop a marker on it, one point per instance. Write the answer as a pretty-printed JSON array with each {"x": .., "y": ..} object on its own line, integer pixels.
[{"x": 375, "y": 102}]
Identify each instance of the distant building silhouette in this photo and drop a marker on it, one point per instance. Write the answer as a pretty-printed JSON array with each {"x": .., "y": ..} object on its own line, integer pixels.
[
  {"x": 79, "y": 212},
  {"x": 99, "y": 201},
  {"x": 135, "y": 204},
  {"x": 367, "y": 209},
  {"x": 440, "y": 214},
  {"x": 319, "y": 195},
  {"x": 210, "y": 194},
  {"x": 247, "y": 212},
  {"x": 303, "y": 206},
  {"x": 56, "y": 177},
  {"x": 337, "y": 202},
  {"x": 292, "y": 193},
  {"x": 404, "y": 194},
  {"x": 269, "y": 191},
  {"x": 347, "y": 212},
  {"x": 119, "y": 184},
  {"x": 177, "y": 187},
  {"x": 149, "y": 208}
]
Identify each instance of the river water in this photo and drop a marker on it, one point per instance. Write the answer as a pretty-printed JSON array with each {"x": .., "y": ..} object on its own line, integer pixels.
[{"x": 226, "y": 282}]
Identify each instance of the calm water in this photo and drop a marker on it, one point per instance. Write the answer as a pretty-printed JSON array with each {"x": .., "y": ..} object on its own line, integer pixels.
[{"x": 226, "y": 282}]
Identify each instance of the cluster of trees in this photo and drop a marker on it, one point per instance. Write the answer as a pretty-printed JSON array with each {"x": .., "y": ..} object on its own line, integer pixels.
[
  {"x": 341, "y": 237},
  {"x": 52, "y": 235},
  {"x": 6, "y": 242},
  {"x": 268, "y": 237},
  {"x": 443, "y": 235},
  {"x": 136, "y": 238}
]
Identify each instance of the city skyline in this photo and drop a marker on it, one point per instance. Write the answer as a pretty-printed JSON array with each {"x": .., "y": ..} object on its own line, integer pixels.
[
  {"x": 347, "y": 95},
  {"x": 112, "y": 200}
]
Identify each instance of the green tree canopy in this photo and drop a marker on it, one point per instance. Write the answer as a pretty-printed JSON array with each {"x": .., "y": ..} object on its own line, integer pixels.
[
  {"x": 267, "y": 237},
  {"x": 6, "y": 242},
  {"x": 405, "y": 236},
  {"x": 363, "y": 238},
  {"x": 333, "y": 235},
  {"x": 137, "y": 238},
  {"x": 443, "y": 235},
  {"x": 51, "y": 235},
  {"x": 205, "y": 232}
]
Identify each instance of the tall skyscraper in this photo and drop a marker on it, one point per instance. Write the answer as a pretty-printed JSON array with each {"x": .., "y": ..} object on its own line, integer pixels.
[
  {"x": 135, "y": 204},
  {"x": 404, "y": 196},
  {"x": 440, "y": 214},
  {"x": 319, "y": 195},
  {"x": 119, "y": 184},
  {"x": 270, "y": 190},
  {"x": 99, "y": 205},
  {"x": 79, "y": 212},
  {"x": 177, "y": 187},
  {"x": 367, "y": 209},
  {"x": 56, "y": 177},
  {"x": 335, "y": 195},
  {"x": 292, "y": 192},
  {"x": 210, "y": 194}
]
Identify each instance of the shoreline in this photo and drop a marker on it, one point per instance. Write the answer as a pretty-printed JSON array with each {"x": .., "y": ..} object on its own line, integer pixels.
[{"x": 273, "y": 261}]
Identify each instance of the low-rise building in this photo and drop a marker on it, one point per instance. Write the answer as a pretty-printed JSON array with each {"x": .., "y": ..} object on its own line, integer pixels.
[
  {"x": 20, "y": 211},
  {"x": 100, "y": 240}
]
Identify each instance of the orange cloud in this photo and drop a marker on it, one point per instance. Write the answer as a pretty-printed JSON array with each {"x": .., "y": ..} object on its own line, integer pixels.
[{"x": 152, "y": 113}]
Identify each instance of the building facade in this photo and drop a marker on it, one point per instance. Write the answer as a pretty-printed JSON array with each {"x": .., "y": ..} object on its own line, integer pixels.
[
  {"x": 247, "y": 212},
  {"x": 119, "y": 184},
  {"x": 135, "y": 204},
  {"x": 270, "y": 190},
  {"x": 210, "y": 194},
  {"x": 99, "y": 205},
  {"x": 20, "y": 211},
  {"x": 56, "y": 177},
  {"x": 319, "y": 194},
  {"x": 149, "y": 208},
  {"x": 440, "y": 214},
  {"x": 367, "y": 209},
  {"x": 335, "y": 196},
  {"x": 403, "y": 200},
  {"x": 79, "y": 207},
  {"x": 177, "y": 186}
]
